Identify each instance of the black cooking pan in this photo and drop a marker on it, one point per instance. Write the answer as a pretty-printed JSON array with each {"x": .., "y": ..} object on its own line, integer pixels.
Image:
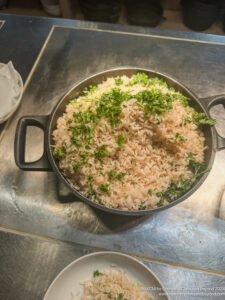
[{"x": 48, "y": 123}]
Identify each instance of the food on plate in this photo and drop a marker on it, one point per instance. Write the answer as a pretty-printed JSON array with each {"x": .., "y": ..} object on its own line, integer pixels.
[
  {"x": 113, "y": 284},
  {"x": 131, "y": 143}
]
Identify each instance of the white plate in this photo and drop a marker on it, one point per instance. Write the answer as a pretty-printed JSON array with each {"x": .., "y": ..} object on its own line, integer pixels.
[
  {"x": 20, "y": 83},
  {"x": 82, "y": 269}
]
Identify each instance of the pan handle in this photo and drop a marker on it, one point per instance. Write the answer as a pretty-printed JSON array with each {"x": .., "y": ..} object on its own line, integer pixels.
[
  {"x": 208, "y": 103},
  {"x": 41, "y": 164}
]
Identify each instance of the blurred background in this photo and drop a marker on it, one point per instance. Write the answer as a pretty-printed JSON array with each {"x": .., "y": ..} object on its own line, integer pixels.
[{"x": 199, "y": 15}]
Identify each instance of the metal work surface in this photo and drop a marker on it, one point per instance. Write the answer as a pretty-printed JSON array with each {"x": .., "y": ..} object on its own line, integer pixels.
[
  {"x": 22, "y": 37},
  {"x": 45, "y": 258},
  {"x": 192, "y": 233}
]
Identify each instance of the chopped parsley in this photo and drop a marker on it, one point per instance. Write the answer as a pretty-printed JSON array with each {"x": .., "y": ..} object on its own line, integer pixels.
[
  {"x": 96, "y": 273},
  {"x": 140, "y": 78},
  {"x": 83, "y": 154},
  {"x": 120, "y": 176},
  {"x": 191, "y": 155},
  {"x": 178, "y": 188},
  {"x": 97, "y": 199},
  {"x": 90, "y": 177},
  {"x": 119, "y": 297},
  {"x": 85, "y": 117},
  {"x": 76, "y": 166},
  {"x": 113, "y": 175},
  {"x": 202, "y": 119},
  {"x": 91, "y": 191},
  {"x": 109, "y": 294},
  {"x": 92, "y": 88},
  {"x": 145, "y": 80},
  {"x": 104, "y": 187},
  {"x": 160, "y": 203},
  {"x": 109, "y": 105},
  {"x": 178, "y": 138},
  {"x": 59, "y": 152},
  {"x": 196, "y": 167},
  {"x": 185, "y": 120},
  {"x": 75, "y": 141},
  {"x": 142, "y": 206},
  {"x": 73, "y": 101},
  {"x": 118, "y": 81},
  {"x": 100, "y": 153},
  {"x": 120, "y": 141},
  {"x": 183, "y": 99},
  {"x": 150, "y": 192},
  {"x": 78, "y": 163},
  {"x": 73, "y": 151},
  {"x": 154, "y": 101},
  {"x": 175, "y": 190}
]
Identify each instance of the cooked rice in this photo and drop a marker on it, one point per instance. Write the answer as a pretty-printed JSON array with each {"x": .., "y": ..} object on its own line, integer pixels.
[
  {"x": 114, "y": 283},
  {"x": 148, "y": 157}
]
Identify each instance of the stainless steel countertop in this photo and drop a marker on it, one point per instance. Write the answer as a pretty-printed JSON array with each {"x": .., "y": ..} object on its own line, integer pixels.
[
  {"x": 38, "y": 260},
  {"x": 190, "y": 235}
]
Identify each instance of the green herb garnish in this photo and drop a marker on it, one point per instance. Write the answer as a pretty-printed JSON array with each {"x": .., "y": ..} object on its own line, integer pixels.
[
  {"x": 73, "y": 101},
  {"x": 92, "y": 88},
  {"x": 196, "y": 167},
  {"x": 96, "y": 273},
  {"x": 185, "y": 120},
  {"x": 140, "y": 78},
  {"x": 178, "y": 138},
  {"x": 120, "y": 176},
  {"x": 83, "y": 154},
  {"x": 118, "y": 81},
  {"x": 104, "y": 187},
  {"x": 120, "y": 296},
  {"x": 145, "y": 80},
  {"x": 191, "y": 155},
  {"x": 109, "y": 105},
  {"x": 109, "y": 294},
  {"x": 100, "y": 153},
  {"x": 178, "y": 188},
  {"x": 160, "y": 203},
  {"x": 75, "y": 141},
  {"x": 91, "y": 190},
  {"x": 120, "y": 141},
  {"x": 97, "y": 199},
  {"x": 113, "y": 175},
  {"x": 90, "y": 177},
  {"x": 154, "y": 101},
  {"x": 59, "y": 152},
  {"x": 202, "y": 119},
  {"x": 85, "y": 117},
  {"x": 150, "y": 192},
  {"x": 183, "y": 99},
  {"x": 77, "y": 165},
  {"x": 142, "y": 206}
]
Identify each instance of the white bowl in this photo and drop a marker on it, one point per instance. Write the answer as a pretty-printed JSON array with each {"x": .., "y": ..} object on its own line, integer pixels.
[
  {"x": 14, "y": 108},
  {"x": 69, "y": 279}
]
